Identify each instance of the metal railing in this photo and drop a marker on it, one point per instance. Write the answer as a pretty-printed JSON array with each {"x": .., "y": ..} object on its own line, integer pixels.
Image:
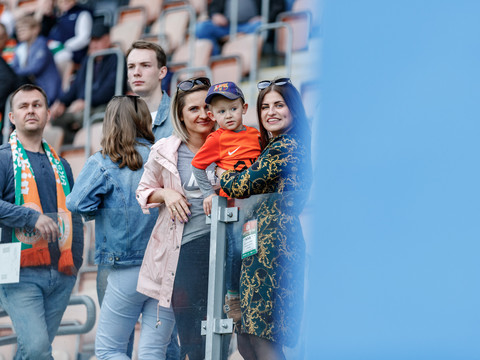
[
  {"x": 87, "y": 118},
  {"x": 288, "y": 53},
  {"x": 67, "y": 327}
]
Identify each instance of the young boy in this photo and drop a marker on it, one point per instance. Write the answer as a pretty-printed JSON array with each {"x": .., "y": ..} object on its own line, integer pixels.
[{"x": 232, "y": 147}]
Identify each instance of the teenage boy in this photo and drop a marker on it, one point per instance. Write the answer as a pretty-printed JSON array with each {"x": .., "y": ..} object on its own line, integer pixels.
[
  {"x": 233, "y": 146},
  {"x": 146, "y": 68}
]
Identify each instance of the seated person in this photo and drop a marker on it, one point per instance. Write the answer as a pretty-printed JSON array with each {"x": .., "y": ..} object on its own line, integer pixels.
[
  {"x": 67, "y": 111},
  {"x": 9, "y": 81},
  {"x": 249, "y": 19},
  {"x": 70, "y": 36},
  {"x": 7, "y": 18},
  {"x": 34, "y": 60}
]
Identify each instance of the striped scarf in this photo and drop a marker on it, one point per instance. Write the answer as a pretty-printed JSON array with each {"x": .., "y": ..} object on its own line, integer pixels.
[{"x": 34, "y": 247}]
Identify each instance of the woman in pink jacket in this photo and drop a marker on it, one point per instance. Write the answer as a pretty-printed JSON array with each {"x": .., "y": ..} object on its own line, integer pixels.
[{"x": 179, "y": 278}]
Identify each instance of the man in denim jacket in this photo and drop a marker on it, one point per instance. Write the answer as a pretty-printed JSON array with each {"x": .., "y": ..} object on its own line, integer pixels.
[
  {"x": 36, "y": 303},
  {"x": 146, "y": 64}
]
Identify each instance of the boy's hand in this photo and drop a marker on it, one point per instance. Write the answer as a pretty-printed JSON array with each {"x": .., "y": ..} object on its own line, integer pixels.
[{"x": 207, "y": 204}]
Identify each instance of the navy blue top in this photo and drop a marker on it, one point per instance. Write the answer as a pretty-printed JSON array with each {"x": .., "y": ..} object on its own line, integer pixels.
[
  {"x": 64, "y": 29},
  {"x": 103, "y": 86}
]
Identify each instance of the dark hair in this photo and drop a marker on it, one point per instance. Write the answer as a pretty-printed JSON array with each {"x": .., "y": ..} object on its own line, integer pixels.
[
  {"x": 293, "y": 100},
  {"x": 178, "y": 104},
  {"x": 28, "y": 88},
  {"x": 147, "y": 45},
  {"x": 122, "y": 126}
]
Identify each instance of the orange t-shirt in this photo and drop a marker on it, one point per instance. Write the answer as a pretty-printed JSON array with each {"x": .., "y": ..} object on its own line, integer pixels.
[{"x": 230, "y": 150}]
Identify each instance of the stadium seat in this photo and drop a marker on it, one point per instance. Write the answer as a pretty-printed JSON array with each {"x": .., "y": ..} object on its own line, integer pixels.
[
  {"x": 54, "y": 136},
  {"x": 152, "y": 8},
  {"x": 245, "y": 47},
  {"x": 173, "y": 23},
  {"x": 125, "y": 33},
  {"x": 226, "y": 68},
  {"x": 300, "y": 22},
  {"x": 202, "y": 50}
]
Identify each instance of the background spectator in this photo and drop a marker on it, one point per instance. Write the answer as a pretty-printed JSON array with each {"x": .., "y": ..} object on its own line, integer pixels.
[
  {"x": 70, "y": 36},
  {"x": 217, "y": 28},
  {"x": 34, "y": 60},
  {"x": 67, "y": 111},
  {"x": 7, "y": 18},
  {"x": 8, "y": 79}
]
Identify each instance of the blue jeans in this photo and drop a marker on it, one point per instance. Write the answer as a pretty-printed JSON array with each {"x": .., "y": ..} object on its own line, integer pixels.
[
  {"x": 36, "y": 305},
  {"x": 121, "y": 308},
  {"x": 208, "y": 30},
  {"x": 233, "y": 264},
  {"x": 173, "y": 350}
]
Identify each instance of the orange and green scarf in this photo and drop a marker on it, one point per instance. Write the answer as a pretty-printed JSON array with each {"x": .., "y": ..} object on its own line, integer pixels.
[{"x": 34, "y": 247}]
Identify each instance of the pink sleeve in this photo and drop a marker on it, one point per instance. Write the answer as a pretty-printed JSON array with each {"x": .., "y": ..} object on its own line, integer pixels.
[{"x": 151, "y": 181}]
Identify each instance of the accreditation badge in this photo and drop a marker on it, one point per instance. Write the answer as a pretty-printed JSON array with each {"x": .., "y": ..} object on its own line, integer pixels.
[{"x": 249, "y": 239}]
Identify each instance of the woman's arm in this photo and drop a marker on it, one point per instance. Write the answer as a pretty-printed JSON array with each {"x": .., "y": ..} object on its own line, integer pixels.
[
  {"x": 273, "y": 164},
  {"x": 88, "y": 191},
  {"x": 151, "y": 192}
]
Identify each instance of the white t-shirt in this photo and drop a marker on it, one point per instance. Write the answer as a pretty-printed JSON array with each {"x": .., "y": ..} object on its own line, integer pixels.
[{"x": 154, "y": 115}]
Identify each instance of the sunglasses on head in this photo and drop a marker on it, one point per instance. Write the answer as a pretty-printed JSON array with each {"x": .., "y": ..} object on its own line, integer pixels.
[
  {"x": 132, "y": 97},
  {"x": 188, "y": 84},
  {"x": 266, "y": 83}
]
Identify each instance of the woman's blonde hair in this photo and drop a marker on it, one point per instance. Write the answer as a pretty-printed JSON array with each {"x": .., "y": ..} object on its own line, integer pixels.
[
  {"x": 178, "y": 103},
  {"x": 126, "y": 119}
]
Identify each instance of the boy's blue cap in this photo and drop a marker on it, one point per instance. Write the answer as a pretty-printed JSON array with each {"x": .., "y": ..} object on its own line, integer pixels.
[{"x": 227, "y": 89}]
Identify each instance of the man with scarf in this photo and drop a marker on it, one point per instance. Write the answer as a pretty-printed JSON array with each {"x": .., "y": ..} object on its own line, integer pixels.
[{"x": 34, "y": 183}]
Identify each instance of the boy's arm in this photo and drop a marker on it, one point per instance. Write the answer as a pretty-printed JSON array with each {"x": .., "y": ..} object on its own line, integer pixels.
[
  {"x": 205, "y": 187},
  {"x": 203, "y": 182}
]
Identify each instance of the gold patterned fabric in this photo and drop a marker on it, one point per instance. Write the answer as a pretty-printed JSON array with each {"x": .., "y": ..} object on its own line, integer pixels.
[{"x": 271, "y": 284}]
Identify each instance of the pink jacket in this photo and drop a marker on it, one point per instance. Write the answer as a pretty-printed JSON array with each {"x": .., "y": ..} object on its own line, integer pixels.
[{"x": 157, "y": 273}]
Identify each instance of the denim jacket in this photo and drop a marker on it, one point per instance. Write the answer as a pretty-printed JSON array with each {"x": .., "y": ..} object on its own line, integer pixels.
[
  {"x": 162, "y": 125},
  {"x": 106, "y": 193}
]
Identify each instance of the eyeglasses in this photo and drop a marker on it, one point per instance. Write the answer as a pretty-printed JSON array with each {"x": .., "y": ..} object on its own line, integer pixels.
[
  {"x": 133, "y": 97},
  {"x": 188, "y": 84},
  {"x": 266, "y": 83}
]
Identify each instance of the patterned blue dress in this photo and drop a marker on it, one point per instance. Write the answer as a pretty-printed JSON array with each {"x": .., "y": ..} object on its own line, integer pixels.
[{"x": 271, "y": 284}]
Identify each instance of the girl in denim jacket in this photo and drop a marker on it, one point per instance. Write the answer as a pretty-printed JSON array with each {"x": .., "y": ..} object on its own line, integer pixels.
[{"x": 105, "y": 191}]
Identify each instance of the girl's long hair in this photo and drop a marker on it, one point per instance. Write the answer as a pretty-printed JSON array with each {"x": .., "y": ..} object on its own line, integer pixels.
[{"x": 122, "y": 126}]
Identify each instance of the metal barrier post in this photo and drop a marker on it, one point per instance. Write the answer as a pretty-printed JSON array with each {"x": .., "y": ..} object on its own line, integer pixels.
[
  {"x": 6, "y": 121},
  {"x": 215, "y": 327},
  {"x": 89, "y": 85}
]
